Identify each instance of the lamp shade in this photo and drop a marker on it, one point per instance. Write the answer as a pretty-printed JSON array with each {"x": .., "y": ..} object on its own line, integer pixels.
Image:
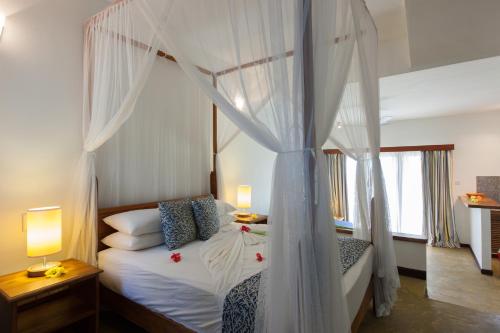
[
  {"x": 43, "y": 231},
  {"x": 244, "y": 197}
]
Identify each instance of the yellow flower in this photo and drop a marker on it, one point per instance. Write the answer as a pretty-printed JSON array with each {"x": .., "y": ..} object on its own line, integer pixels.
[{"x": 55, "y": 272}]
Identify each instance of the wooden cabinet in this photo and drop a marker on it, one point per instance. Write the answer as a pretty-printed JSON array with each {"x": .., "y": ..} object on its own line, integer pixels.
[
  {"x": 495, "y": 231},
  {"x": 37, "y": 305}
]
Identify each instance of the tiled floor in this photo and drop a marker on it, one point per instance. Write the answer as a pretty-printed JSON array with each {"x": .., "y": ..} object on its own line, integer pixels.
[
  {"x": 453, "y": 277},
  {"x": 415, "y": 313}
]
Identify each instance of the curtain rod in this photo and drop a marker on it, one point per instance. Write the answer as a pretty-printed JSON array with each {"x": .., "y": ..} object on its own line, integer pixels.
[{"x": 399, "y": 149}]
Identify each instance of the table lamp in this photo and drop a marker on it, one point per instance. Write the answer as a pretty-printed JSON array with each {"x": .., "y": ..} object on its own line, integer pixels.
[
  {"x": 43, "y": 227},
  {"x": 244, "y": 200}
]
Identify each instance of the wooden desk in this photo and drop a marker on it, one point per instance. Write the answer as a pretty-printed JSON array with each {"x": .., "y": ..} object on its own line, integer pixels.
[{"x": 44, "y": 304}]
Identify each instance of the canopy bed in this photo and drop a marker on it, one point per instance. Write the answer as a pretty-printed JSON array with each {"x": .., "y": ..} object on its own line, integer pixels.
[
  {"x": 142, "y": 287},
  {"x": 282, "y": 72}
]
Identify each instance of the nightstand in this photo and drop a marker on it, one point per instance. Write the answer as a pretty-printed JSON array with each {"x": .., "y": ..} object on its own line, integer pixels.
[
  {"x": 252, "y": 219},
  {"x": 44, "y": 304}
]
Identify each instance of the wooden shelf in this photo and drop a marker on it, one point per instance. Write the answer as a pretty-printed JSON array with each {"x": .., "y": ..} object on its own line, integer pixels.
[{"x": 54, "y": 315}]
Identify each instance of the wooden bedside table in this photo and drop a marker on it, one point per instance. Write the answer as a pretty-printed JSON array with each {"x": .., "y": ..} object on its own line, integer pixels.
[
  {"x": 258, "y": 219},
  {"x": 44, "y": 304}
]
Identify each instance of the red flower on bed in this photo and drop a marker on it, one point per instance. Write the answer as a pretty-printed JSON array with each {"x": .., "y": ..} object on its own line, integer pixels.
[
  {"x": 259, "y": 257},
  {"x": 176, "y": 257},
  {"x": 245, "y": 228}
]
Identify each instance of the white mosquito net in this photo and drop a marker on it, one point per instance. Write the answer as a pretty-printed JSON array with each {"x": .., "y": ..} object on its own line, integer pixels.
[{"x": 276, "y": 70}]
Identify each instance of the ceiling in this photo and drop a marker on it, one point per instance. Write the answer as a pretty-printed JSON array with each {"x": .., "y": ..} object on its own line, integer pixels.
[
  {"x": 381, "y": 7},
  {"x": 466, "y": 87}
]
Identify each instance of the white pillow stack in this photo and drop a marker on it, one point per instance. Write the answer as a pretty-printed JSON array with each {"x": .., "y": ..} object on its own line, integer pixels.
[
  {"x": 224, "y": 211},
  {"x": 137, "y": 230},
  {"x": 141, "y": 229}
]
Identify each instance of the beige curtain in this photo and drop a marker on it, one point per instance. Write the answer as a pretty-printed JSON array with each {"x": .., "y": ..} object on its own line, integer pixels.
[
  {"x": 338, "y": 186},
  {"x": 437, "y": 193}
]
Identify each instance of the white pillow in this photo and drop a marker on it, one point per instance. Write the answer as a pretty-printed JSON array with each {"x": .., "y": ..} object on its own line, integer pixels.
[
  {"x": 123, "y": 241},
  {"x": 136, "y": 222},
  {"x": 223, "y": 207},
  {"x": 226, "y": 219}
]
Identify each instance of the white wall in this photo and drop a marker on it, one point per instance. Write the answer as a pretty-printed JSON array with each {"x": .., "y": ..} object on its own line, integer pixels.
[
  {"x": 477, "y": 140},
  {"x": 40, "y": 112},
  {"x": 245, "y": 162},
  {"x": 480, "y": 236},
  {"x": 411, "y": 255}
]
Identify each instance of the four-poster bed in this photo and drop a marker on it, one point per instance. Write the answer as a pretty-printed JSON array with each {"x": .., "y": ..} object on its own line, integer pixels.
[
  {"x": 309, "y": 50},
  {"x": 358, "y": 281}
]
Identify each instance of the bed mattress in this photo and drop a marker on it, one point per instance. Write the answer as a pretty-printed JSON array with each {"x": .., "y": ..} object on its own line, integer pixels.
[{"x": 187, "y": 293}]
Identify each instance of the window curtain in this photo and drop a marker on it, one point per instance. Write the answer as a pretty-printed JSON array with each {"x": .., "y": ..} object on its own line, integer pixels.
[
  {"x": 437, "y": 190},
  {"x": 403, "y": 177},
  {"x": 338, "y": 186},
  {"x": 118, "y": 56},
  {"x": 359, "y": 138}
]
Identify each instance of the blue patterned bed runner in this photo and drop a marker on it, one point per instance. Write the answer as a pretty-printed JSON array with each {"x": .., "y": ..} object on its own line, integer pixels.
[{"x": 240, "y": 303}]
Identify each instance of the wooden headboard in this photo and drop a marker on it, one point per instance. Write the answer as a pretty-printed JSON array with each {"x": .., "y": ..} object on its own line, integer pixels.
[{"x": 104, "y": 230}]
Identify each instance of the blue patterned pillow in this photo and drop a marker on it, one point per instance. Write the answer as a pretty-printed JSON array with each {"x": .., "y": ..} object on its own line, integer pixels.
[
  {"x": 177, "y": 223},
  {"x": 206, "y": 217}
]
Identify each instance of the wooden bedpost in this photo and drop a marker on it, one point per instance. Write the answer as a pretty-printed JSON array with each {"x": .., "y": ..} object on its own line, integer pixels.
[{"x": 213, "y": 174}]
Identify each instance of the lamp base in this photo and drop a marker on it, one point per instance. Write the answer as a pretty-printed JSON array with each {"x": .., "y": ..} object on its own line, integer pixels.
[
  {"x": 40, "y": 269},
  {"x": 243, "y": 215}
]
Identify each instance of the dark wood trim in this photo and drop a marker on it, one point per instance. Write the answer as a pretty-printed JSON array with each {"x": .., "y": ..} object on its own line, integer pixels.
[
  {"x": 402, "y": 149},
  {"x": 363, "y": 308},
  {"x": 344, "y": 231},
  {"x": 215, "y": 148},
  {"x": 394, "y": 237},
  {"x": 483, "y": 271},
  {"x": 417, "y": 148},
  {"x": 165, "y": 55},
  {"x": 138, "y": 314},
  {"x": 157, "y": 323},
  {"x": 414, "y": 273},
  {"x": 269, "y": 59},
  {"x": 136, "y": 43},
  {"x": 409, "y": 239},
  {"x": 254, "y": 63}
]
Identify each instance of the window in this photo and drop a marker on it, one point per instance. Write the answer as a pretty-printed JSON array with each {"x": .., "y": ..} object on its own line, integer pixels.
[{"x": 403, "y": 178}]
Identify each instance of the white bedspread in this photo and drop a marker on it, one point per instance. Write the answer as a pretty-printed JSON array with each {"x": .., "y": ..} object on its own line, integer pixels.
[
  {"x": 230, "y": 256},
  {"x": 188, "y": 292}
]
